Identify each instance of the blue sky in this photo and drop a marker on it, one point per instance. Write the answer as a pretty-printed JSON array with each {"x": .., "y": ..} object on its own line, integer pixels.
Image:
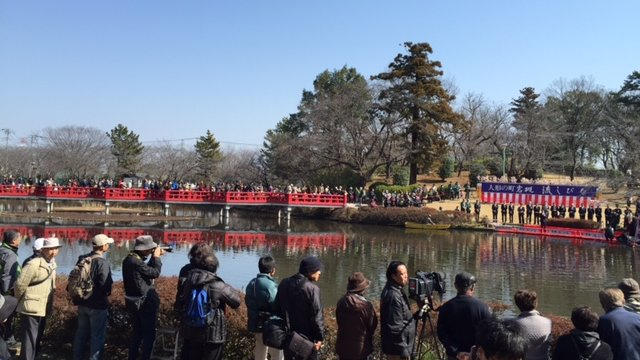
[{"x": 172, "y": 69}]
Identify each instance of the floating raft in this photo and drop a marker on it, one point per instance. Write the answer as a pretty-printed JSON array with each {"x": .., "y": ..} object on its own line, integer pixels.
[
  {"x": 585, "y": 234},
  {"x": 413, "y": 225}
]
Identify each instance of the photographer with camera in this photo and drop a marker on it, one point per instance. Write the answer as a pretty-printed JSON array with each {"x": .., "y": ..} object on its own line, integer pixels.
[
  {"x": 141, "y": 298},
  {"x": 397, "y": 323},
  {"x": 459, "y": 318}
]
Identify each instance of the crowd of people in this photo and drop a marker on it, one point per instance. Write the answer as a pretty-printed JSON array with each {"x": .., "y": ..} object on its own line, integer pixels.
[
  {"x": 287, "y": 318},
  {"x": 539, "y": 214}
]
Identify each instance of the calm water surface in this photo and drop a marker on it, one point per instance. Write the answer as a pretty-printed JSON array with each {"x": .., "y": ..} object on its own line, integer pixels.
[{"x": 565, "y": 273}]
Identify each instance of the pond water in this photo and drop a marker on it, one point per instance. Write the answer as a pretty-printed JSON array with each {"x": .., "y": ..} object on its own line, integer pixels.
[{"x": 565, "y": 273}]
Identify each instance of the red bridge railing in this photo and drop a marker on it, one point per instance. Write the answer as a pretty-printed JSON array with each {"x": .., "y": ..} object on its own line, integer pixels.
[{"x": 173, "y": 196}]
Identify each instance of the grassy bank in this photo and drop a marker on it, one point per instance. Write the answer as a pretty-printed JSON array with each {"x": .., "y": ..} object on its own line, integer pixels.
[
  {"x": 62, "y": 324},
  {"x": 391, "y": 216}
]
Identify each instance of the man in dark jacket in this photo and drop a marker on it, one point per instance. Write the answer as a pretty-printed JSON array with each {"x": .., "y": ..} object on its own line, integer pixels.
[
  {"x": 141, "y": 298},
  {"x": 459, "y": 317},
  {"x": 397, "y": 323},
  {"x": 206, "y": 340},
  {"x": 618, "y": 327},
  {"x": 9, "y": 271},
  {"x": 94, "y": 311},
  {"x": 583, "y": 342},
  {"x": 260, "y": 297},
  {"x": 298, "y": 301},
  {"x": 494, "y": 212},
  {"x": 357, "y": 321}
]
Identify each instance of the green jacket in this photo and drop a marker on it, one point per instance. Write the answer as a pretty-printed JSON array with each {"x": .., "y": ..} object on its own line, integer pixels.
[{"x": 260, "y": 296}]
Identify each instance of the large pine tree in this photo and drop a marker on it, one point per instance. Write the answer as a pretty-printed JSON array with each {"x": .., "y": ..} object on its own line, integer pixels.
[
  {"x": 414, "y": 92},
  {"x": 208, "y": 155},
  {"x": 126, "y": 147}
]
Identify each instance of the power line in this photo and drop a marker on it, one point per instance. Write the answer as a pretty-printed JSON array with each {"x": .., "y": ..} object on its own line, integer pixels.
[{"x": 196, "y": 138}]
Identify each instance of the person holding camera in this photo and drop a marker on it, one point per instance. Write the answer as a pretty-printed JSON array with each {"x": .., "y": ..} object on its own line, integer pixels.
[
  {"x": 397, "y": 323},
  {"x": 298, "y": 301},
  {"x": 141, "y": 298},
  {"x": 459, "y": 318},
  {"x": 357, "y": 321},
  {"x": 260, "y": 300}
]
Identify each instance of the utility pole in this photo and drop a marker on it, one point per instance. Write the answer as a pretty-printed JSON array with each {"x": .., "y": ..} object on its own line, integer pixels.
[{"x": 7, "y": 134}]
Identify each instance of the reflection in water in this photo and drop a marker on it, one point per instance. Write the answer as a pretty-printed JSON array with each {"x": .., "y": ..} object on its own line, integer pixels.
[{"x": 565, "y": 273}]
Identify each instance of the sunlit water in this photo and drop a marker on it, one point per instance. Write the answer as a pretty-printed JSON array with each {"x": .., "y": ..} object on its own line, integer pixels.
[{"x": 565, "y": 273}]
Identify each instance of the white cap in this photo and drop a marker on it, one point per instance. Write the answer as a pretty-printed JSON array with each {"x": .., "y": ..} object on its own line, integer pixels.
[
  {"x": 51, "y": 243},
  {"x": 101, "y": 239},
  {"x": 37, "y": 244}
]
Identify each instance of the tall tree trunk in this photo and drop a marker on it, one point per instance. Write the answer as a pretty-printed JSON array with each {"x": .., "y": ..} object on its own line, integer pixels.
[{"x": 413, "y": 163}]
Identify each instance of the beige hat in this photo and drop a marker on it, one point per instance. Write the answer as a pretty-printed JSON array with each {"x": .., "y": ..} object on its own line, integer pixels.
[
  {"x": 101, "y": 239},
  {"x": 51, "y": 243}
]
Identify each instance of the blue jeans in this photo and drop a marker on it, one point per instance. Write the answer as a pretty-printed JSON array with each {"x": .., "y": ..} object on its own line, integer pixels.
[{"x": 92, "y": 325}]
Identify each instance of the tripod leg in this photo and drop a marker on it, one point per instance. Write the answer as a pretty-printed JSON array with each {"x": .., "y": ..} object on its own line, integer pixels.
[{"x": 435, "y": 339}]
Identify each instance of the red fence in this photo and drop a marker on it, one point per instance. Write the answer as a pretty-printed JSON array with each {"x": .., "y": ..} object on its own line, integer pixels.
[{"x": 173, "y": 196}]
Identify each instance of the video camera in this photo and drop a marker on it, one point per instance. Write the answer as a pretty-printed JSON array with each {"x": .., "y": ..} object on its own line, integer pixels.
[
  {"x": 167, "y": 248},
  {"x": 422, "y": 287}
]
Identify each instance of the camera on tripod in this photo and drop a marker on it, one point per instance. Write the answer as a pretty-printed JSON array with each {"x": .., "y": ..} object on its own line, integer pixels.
[{"x": 422, "y": 287}]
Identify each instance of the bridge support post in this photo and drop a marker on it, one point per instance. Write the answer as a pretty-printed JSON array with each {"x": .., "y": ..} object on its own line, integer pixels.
[
  {"x": 227, "y": 208},
  {"x": 166, "y": 209},
  {"x": 49, "y": 206},
  {"x": 279, "y": 216},
  {"x": 107, "y": 209},
  {"x": 288, "y": 218}
]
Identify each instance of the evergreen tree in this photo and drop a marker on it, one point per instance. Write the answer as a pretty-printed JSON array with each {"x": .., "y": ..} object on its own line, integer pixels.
[
  {"x": 526, "y": 103},
  {"x": 415, "y": 93},
  {"x": 208, "y": 155},
  {"x": 126, "y": 147}
]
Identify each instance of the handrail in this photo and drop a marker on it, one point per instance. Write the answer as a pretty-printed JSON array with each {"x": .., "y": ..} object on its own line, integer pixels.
[{"x": 173, "y": 196}]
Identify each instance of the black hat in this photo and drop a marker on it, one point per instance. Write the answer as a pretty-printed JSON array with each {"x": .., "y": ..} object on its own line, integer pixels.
[
  {"x": 464, "y": 280},
  {"x": 7, "y": 307},
  {"x": 309, "y": 265}
]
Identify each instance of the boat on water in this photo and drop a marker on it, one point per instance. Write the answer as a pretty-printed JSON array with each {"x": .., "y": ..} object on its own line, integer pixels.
[
  {"x": 585, "y": 234},
  {"x": 414, "y": 225}
]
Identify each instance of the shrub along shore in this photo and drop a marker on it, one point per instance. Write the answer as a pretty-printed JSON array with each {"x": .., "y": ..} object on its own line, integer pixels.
[{"x": 61, "y": 325}]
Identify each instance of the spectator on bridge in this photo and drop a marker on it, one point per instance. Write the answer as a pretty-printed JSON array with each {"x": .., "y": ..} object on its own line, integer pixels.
[
  {"x": 9, "y": 270},
  {"x": 583, "y": 342},
  {"x": 260, "y": 297},
  {"x": 631, "y": 292},
  {"x": 618, "y": 327},
  {"x": 535, "y": 328},
  {"x": 93, "y": 312},
  {"x": 357, "y": 321},
  {"x": 34, "y": 287}
]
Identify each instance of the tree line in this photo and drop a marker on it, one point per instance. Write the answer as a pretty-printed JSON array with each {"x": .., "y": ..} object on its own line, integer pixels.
[
  {"x": 81, "y": 152},
  {"x": 405, "y": 121},
  {"x": 408, "y": 118}
]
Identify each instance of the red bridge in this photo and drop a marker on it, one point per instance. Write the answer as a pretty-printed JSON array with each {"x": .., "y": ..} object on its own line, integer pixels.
[{"x": 173, "y": 196}]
